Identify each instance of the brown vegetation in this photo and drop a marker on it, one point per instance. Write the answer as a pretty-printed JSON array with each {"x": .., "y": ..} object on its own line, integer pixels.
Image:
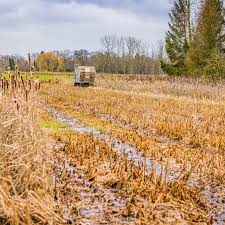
[
  {"x": 132, "y": 150},
  {"x": 170, "y": 122},
  {"x": 26, "y": 190}
]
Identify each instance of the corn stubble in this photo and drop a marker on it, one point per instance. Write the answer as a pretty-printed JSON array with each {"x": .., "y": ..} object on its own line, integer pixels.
[
  {"x": 177, "y": 123},
  {"x": 143, "y": 198}
]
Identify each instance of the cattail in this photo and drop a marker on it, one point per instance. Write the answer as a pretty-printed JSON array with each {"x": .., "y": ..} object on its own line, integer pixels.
[{"x": 29, "y": 64}]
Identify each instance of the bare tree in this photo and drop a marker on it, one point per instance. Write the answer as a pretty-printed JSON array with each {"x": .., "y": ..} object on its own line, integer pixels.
[{"x": 127, "y": 55}]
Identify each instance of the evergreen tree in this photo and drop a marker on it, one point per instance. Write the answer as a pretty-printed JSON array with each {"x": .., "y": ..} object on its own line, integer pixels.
[
  {"x": 208, "y": 38},
  {"x": 11, "y": 64},
  {"x": 222, "y": 33},
  {"x": 177, "y": 37}
]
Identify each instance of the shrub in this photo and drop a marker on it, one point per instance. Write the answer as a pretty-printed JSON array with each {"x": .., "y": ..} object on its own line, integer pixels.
[{"x": 215, "y": 67}]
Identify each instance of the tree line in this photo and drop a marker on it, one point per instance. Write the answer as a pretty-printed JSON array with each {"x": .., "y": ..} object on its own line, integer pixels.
[
  {"x": 128, "y": 55},
  {"x": 121, "y": 55},
  {"x": 195, "y": 42},
  {"x": 9, "y": 62}
]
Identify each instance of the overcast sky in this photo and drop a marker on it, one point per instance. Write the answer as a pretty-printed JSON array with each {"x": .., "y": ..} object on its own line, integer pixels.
[{"x": 35, "y": 25}]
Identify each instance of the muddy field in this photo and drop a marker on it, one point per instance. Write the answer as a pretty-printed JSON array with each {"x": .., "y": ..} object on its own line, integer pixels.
[
  {"x": 144, "y": 150},
  {"x": 130, "y": 150}
]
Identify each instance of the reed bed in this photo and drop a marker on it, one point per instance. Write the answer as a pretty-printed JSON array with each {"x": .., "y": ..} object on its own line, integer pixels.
[{"x": 26, "y": 190}]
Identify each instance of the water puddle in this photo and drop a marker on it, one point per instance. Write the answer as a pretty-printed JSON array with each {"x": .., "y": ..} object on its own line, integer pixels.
[
  {"x": 216, "y": 197},
  {"x": 132, "y": 153}
]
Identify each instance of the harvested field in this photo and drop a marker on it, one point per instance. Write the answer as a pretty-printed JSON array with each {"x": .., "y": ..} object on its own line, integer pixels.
[{"x": 171, "y": 131}]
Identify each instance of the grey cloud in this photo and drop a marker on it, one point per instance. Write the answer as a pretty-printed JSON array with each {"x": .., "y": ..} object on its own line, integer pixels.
[
  {"x": 147, "y": 8},
  {"x": 33, "y": 25}
]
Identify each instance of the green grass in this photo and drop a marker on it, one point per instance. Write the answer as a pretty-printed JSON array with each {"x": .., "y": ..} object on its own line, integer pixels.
[
  {"x": 52, "y": 125},
  {"x": 46, "y": 76},
  {"x": 43, "y": 76}
]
